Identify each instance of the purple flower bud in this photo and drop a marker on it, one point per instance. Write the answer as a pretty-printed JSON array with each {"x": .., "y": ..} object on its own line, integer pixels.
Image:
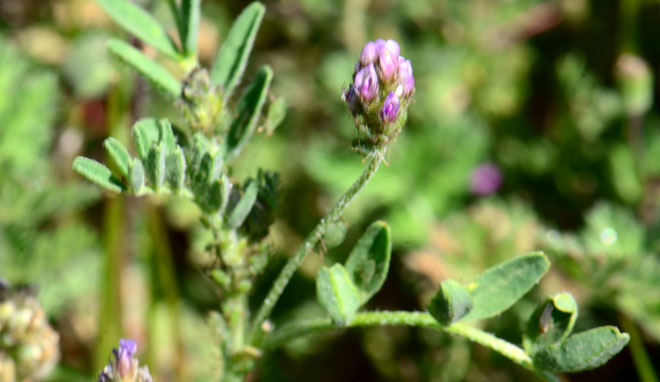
[
  {"x": 390, "y": 108},
  {"x": 351, "y": 99},
  {"x": 124, "y": 366},
  {"x": 366, "y": 82},
  {"x": 369, "y": 53},
  {"x": 486, "y": 179},
  {"x": 388, "y": 59},
  {"x": 406, "y": 78}
]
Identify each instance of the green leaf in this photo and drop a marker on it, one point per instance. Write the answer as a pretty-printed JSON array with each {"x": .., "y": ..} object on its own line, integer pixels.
[
  {"x": 167, "y": 135},
  {"x": 550, "y": 323},
  {"x": 248, "y": 110},
  {"x": 154, "y": 72},
  {"x": 337, "y": 294},
  {"x": 212, "y": 199},
  {"x": 97, "y": 173},
  {"x": 495, "y": 290},
  {"x": 119, "y": 154},
  {"x": 136, "y": 176},
  {"x": 242, "y": 209},
  {"x": 232, "y": 58},
  {"x": 156, "y": 165},
  {"x": 582, "y": 351},
  {"x": 275, "y": 115},
  {"x": 369, "y": 260},
  {"x": 451, "y": 303},
  {"x": 145, "y": 133},
  {"x": 175, "y": 168},
  {"x": 140, "y": 23},
  {"x": 191, "y": 16}
]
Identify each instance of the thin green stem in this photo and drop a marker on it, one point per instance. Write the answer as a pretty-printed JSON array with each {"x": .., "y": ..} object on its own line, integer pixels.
[
  {"x": 640, "y": 357},
  {"x": 385, "y": 318},
  {"x": 372, "y": 162}
]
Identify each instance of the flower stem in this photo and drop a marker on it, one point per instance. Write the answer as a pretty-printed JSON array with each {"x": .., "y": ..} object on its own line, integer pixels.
[
  {"x": 422, "y": 319},
  {"x": 372, "y": 163}
]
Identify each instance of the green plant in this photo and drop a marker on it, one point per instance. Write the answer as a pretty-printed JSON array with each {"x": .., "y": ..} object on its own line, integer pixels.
[{"x": 192, "y": 159}]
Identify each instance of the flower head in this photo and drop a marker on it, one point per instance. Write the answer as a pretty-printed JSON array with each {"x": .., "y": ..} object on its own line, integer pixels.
[
  {"x": 366, "y": 82},
  {"x": 390, "y": 108},
  {"x": 486, "y": 179},
  {"x": 125, "y": 367}
]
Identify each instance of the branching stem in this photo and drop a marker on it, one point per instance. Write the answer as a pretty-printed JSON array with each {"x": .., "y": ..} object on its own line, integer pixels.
[{"x": 373, "y": 161}]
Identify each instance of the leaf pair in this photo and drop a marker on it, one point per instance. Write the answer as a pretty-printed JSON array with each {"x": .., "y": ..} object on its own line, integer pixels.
[
  {"x": 343, "y": 289},
  {"x": 547, "y": 338},
  {"x": 493, "y": 292},
  {"x": 160, "y": 164}
]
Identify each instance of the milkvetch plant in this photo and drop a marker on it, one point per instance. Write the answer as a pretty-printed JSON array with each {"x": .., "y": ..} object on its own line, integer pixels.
[{"x": 192, "y": 158}]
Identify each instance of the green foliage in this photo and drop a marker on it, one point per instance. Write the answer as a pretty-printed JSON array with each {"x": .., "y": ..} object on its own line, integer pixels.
[
  {"x": 451, "y": 303},
  {"x": 153, "y": 71},
  {"x": 248, "y": 111},
  {"x": 550, "y": 323},
  {"x": 369, "y": 261},
  {"x": 499, "y": 287},
  {"x": 191, "y": 15},
  {"x": 98, "y": 173},
  {"x": 582, "y": 351},
  {"x": 337, "y": 293},
  {"x": 141, "y": 24},
  {"x": 232, "y": 57}
]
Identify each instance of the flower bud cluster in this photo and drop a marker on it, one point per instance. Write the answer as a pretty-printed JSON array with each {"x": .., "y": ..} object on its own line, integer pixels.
[
  {"x": 124, "y": 367},
  {"x": 201, "y": 102},
  {"x": 29, "y": 347},
  {"x": 383, "y": 85}
]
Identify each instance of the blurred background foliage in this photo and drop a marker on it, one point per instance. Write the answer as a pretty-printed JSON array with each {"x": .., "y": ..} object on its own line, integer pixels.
[{"x": 559, "y": 94}]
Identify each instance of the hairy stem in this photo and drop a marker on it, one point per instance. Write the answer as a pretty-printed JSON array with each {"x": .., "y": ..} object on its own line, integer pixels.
[
  {"x": 372, "y": 163},
  {"x": 421, "y": 319}
]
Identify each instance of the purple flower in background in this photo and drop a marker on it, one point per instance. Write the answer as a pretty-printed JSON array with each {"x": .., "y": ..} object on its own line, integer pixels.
[
  {"x": 366, "y": 82},
  {"x": 124, "y": 366},
  {"x": 486, "y": 179},
  {"x": 406, "y": 78},
  {"x": 390, "y": 108},
  {"x": 369, "y": 53}
]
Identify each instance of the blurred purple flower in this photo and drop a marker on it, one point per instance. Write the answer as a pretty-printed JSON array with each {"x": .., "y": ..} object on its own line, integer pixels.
[
  {"x": 390, "y": 108},
  {"x": 366, "y": 82},
  {"x": 486, "y": 179},
  {"x": 125, "y": 367}
]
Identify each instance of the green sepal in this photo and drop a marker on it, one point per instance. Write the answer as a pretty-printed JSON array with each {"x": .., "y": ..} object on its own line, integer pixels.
[
  {"x": 495, "y": 290},
  {"x": 156, "y": 165},
  {"x": 337, "y": 294},
  {"x": 150, "y": 69},
  {"x": 241, "y": 210},
  {"x": 212, "y": 198},
  {"x": 145, "y": 133},
  {"x": 199, "y": 149},
  {"x": 141, "y": 24},
  {"x": 208, "y": 171},
  {"x": 551, "y": 323},
  {"x": 335, "y": 234},
  {"x": 369, "y": 261},
  {"x": 232, "y": 58},
  {"x": 275, "y": 115},
  {"x": 136, "y": 176},
  {"x": 98, "y": 173},
  {"x": 176, "y": 168},
  {"x": 582, "y": 351},
  {"x": 247, "y": 113},
  {"x": 451, "y": 303},
  {"x": 119, "y": 154}
]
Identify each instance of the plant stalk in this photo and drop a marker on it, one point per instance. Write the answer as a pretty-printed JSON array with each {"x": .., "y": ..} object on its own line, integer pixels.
[{"x": 372, "y": 163}]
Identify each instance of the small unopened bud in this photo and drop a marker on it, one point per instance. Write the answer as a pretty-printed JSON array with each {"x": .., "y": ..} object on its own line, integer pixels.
[
  {"x": 369, "y": 54},
  {"x": 390, "y": 108},
  {"x": 388, "y": 59},
  {"x": 406, "y": 78},
  {"x": 125, "y": 367},
  {"x": 366, "y": 82}
]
